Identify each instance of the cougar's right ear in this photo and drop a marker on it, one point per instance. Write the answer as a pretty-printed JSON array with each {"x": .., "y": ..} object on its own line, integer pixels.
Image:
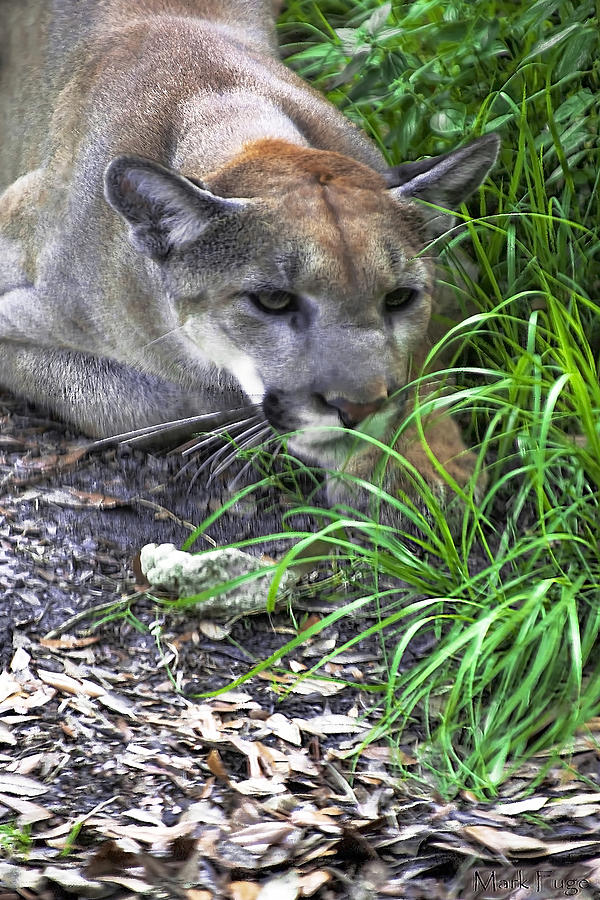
[{"x": 164, "y": 210}]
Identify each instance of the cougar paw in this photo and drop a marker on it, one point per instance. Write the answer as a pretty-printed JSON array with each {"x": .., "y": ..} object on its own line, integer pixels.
[{"x": 398, "y": 481}]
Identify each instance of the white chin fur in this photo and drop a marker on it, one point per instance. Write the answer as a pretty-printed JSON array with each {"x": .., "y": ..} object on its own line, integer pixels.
[{"x": 331, "y": 445}]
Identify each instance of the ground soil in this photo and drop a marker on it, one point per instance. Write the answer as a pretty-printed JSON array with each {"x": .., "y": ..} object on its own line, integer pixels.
[{"x": 123, "y": 781}]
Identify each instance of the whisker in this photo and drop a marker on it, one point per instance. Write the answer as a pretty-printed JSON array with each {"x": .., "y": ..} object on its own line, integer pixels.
[
  {"x": 259, "y": 426},
  {"x": 235, "y": 481},
  {"x": 232, "y": 484},
  {"x": 215, "y": 457},
  {"x": 215, "y": 435},
  {"x": 211, "y": 460},
  {"x": 159, "y": 428},
  {"x": 161, "y": 337},
  {"x": 253, "y": 441},
  {"x": 181, "y": 472},
  {"x": 214, "y": 438},
  {"x": 275, "y": 453}
]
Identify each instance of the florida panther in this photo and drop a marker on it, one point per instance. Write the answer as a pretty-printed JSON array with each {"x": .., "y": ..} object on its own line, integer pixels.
[{"x": 187, "y": 226}]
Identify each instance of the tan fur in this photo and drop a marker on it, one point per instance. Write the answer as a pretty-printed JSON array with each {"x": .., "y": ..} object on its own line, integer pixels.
[{"x": 227, "y": 179}]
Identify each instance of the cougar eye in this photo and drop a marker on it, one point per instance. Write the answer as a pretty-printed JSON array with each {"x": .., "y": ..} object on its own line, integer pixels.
[
  {"x": 273, "y": 301},
  {"x": 401, "y": 297}
]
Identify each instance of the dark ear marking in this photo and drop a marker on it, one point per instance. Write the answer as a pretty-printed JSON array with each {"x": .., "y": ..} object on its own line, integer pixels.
[
  {"x": 445, "y": 180},
  {"x": 164, "y": 209}
]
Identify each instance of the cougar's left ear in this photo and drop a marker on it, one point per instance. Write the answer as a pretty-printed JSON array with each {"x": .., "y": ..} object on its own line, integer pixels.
[
  {"x": 444, "y": 180},
  {"x": 164, "y": 210}
]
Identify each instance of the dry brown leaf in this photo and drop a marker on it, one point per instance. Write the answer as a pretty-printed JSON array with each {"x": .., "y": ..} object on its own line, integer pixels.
[
  {"x": 315, "y": 819},
  {"x": 283, "y": 728},
  {"x": 257, "y": 838},
  {"x": 504, "y": 842},
  {"x": 21, "y": 785},
  {"x": 8, "y": 441},
  {"x": 507, "y": 843},
  {"x": 272, "y": 760},
  {"x": 336, "y": 670},
  {"x": 9, "y": 686},
  {"x": 185, "y": 637},
  {"x": 566, "y": 811},
  {"x": 234, "y": 700},
  {"x": 309, "y": 686},
  {"x": 215, "y": 764},
  {"x": 244, "y": 890},
  {"x": 201, "y": 718},
  {"x": 74, "y": 882},
  {"x": 58, "y": 831},
  {"x": 259, "y": 787},
  {"x": 28, "y": 812},
  {"x": 68, "y": 642},
  {"x": 213, "y": 631},
  {"x": 457, "y": 846},
  {"x": 38, "y": 463},
  {"x": 531, "y": 804},
  {"x": 20, "y": 879},
  {"x": 236, "y": 724},
  {"x": 282, "y": 887},
  {"x": 377, "y": 753},
  {"x": 318, "y": 647},
  {"x": 6, "y": 736},
  {"x": 576, "y": 799},
  {"x": 568, "y": 846},
  {"x": 143, "y": 815},
  {"x": 135, "y": 885},
  {"x": 330, "y": 724},
  {"x": 323, "y": 849},
  {"x": 313, "y": 881},
  {"x": 68, "y": 730},
  {"x": 117, "y": 704},
  {"x": 159, "y": 836},
  {"x": 69, "y": 685},
  {"x": 20, "y": 660},
  {"x": 490, "y": 815},
  {"x": 24, "y": 703},
  {"x": 309, "y": 622},
  {"x": 301, "y": 762},
  {"x": 251, "y": 752},
  {"x": 205, "y": 812},
  {"x": 275, "y": 678},
  {"x": 579, "y": 744},
  {"x": 74, "y": 499}
]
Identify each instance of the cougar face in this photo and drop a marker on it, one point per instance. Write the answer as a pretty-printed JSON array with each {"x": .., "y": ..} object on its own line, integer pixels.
[{"x": 314, "y": 297}]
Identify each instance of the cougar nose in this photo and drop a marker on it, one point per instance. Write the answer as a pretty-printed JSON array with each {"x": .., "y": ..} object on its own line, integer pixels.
[{"x": 353, "y": 413}]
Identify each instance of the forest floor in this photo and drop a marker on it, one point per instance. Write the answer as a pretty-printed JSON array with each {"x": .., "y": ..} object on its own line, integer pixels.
[{"x": 117, "y": 779}]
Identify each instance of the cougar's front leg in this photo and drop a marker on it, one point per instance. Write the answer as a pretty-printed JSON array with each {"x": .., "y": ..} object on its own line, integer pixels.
[
  {"x": 442, "y": 439},
  {"x": 98, "y": 396},
  {"x": 445, "y": 443}
]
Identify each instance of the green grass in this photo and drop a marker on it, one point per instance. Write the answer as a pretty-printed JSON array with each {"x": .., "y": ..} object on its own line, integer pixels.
[
  {"x": 511, "y": 591},
  {"x": 15, "y": 842}
]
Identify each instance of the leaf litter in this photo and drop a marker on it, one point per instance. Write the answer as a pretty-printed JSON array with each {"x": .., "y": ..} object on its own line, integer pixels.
[{"x": 120, "y": 786}]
